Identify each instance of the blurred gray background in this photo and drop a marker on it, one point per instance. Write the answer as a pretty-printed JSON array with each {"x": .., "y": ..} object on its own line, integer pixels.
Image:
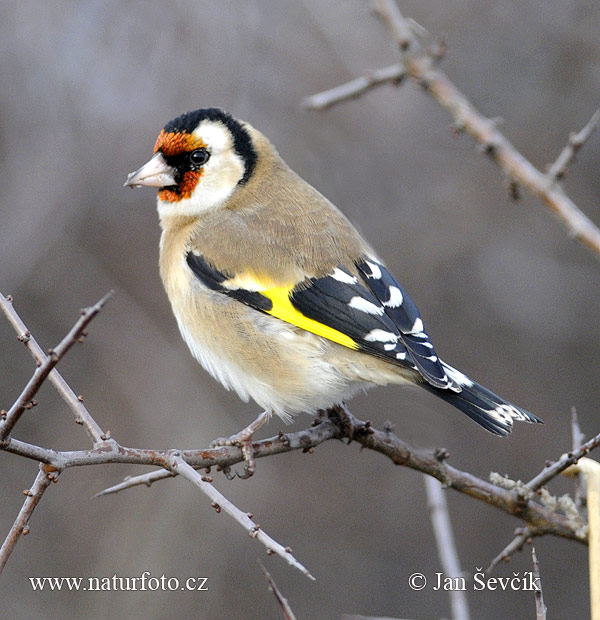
[{"x": 506, "y": 296}]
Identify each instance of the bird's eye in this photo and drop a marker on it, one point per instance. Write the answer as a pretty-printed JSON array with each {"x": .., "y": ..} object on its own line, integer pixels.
[{"x": 199, "y": 157}]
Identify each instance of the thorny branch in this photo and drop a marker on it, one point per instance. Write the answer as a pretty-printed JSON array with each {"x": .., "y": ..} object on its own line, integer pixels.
[
  {"x": 337, "y": 423},
  {"x": 540, "y": 608},
  {"x": 42, "y": 481},
  {"x": 525, "y": 535},
  {"x": 74, "y": 402},
  {"x": 52, "y": 463},
  {"x": 288, "y": 614},
  {"x": 25, "y": 400},
  {"x": 420, "y": 63}
]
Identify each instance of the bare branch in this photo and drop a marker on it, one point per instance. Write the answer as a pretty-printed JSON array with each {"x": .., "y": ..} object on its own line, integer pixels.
[
  {"x": 220, "y": 502},
  {"x": 134, "y": 481},
  {"x": 522, "y": 536},
  {"x": 421, "y": 66},
  {"x": 389, "y": 13},
  {"x": 540, "y": 608},
  {"x": 45, "y": 363},
  {"x": 34, "y": 494},
  {"x": 288, "y": 614},
  {"x": 337, "y": 423},
  {"x": 394, "y": 74},
  {"x": 442, "y": 529},
  {"x": 576, "y": 140},
  {"x": 539, "y": 518},
  {"x": 420, "y": 63},
  {"x": 566, "y": 460}
]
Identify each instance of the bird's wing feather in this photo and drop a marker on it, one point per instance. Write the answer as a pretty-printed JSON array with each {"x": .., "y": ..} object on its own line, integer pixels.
[{"x": 368, "y": 312}]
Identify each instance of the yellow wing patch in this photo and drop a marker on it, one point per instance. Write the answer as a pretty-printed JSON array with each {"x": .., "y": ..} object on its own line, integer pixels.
[{"x": 284, "y": 310}]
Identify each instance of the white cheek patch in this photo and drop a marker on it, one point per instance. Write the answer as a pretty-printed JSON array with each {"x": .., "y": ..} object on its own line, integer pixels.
[
  {"x": 220, "y": 175},
  {"x": 215, "y": 135}
]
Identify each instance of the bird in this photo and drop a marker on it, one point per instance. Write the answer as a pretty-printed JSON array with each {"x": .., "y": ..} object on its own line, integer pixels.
[{"x": 276, "y": 293}]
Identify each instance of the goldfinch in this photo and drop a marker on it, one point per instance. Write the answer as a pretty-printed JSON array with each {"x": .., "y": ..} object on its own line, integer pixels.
[{"x": 275, "y": 292}]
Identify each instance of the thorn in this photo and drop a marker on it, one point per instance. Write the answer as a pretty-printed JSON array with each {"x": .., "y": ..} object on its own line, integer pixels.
[
  {"x": 488, "y": 149},
  {"x": 513, "y": 190}
]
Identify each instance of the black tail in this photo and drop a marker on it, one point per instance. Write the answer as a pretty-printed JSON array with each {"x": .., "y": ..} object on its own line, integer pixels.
[{"x": 484, "y": 407}]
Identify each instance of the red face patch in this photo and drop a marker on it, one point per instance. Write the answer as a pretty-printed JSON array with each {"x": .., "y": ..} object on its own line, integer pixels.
[
  {"x": 172, "y": 145},
  {"x": 186, "y": 187},
  {"x": 177, "y": 143}
]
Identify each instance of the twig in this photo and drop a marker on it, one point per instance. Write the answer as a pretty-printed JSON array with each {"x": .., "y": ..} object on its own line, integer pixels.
[
  {"x": 540, "y": 608},
  {"x": 522, "y": 536},
  {"x": 576, "y": 140},
  {"x": 570, "y": 458},
  {"x": 288, "y": 614},
  {"x": 94, "y": 432},
  {"x": 134, "y": 481},
  {"x": 394, "y": 74},
  {"x": 220, "y": 502},
  {"x": 34, "y": 494},
  {"x": 389, "y": 13},
  {"x": 442, "y": 529},
  {"x": 420, "y": 64},
  {"x": 422, "y": 67},
  {"x": 24, "y": 401},
  {"x": 539, "y": 518},
  {"x": 338, "y": 423}
]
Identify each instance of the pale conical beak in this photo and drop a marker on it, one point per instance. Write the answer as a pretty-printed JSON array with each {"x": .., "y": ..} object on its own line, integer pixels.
[{"x": 155, "y": 173}]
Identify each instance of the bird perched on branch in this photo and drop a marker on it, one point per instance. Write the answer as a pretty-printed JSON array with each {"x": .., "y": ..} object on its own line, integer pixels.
[{"x": 274, "y": 290}]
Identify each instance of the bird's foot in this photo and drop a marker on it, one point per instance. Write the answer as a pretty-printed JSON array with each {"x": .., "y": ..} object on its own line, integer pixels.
[{"x": 243, "y": 439}]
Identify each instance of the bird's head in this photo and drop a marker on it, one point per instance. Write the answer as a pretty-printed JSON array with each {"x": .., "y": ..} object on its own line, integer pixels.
[{"x": 200, "y": 159}]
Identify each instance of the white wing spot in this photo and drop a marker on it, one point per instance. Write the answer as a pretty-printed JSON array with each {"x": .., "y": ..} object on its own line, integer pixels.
[
  {"x": 401, "y": 356},
  {"x": 375, "y": 270},
  {"x": 380, "y": 335},
  {"x": 342, "y": 276},
  {"x": 389, "y": 347},
  {"x": 362, "y": 304},
  {"x": 417, "y": 328},
  {"x": 457, "y": 376},
  {"x": 396, "y": 298}
]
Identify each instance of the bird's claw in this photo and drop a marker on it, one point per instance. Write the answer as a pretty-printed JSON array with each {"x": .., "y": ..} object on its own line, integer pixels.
[{"x": 244, "y": 441}]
